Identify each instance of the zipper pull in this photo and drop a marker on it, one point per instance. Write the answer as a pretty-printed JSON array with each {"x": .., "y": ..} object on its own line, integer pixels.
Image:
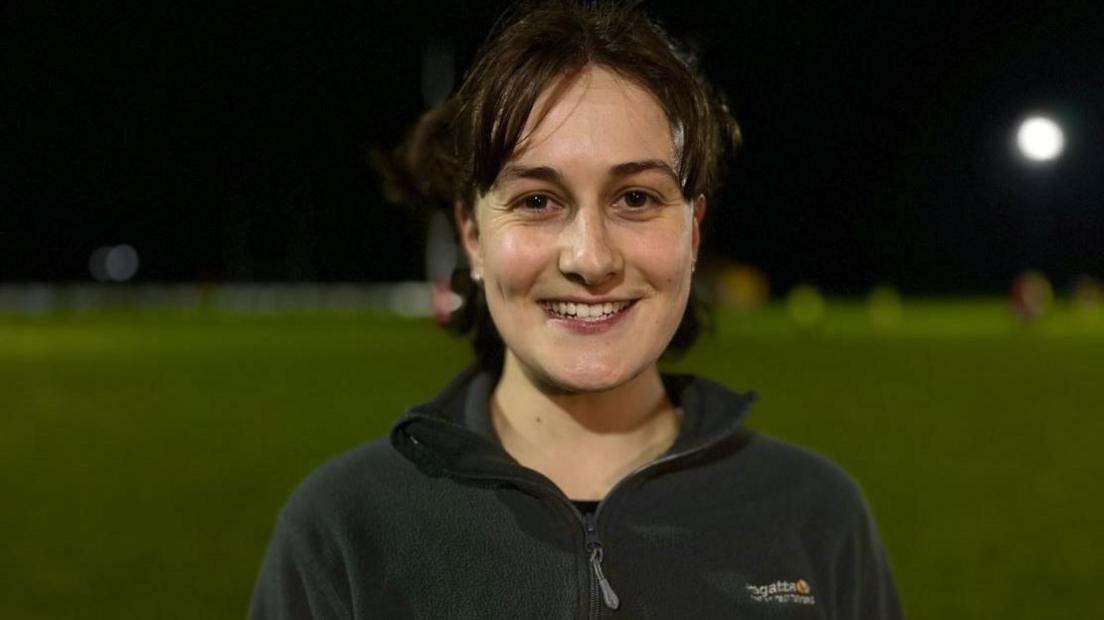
[{"x": 609, "y": 597}]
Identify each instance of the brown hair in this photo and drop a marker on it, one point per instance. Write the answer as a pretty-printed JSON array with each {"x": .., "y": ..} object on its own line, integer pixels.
[{"x": 456, "y": 150}]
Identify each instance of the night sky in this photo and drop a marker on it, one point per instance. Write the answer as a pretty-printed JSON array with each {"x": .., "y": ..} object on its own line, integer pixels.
[{"x": 230, "y": 144}]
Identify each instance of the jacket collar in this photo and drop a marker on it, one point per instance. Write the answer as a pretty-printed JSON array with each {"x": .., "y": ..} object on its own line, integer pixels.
[{"x": 452, "y": 434}]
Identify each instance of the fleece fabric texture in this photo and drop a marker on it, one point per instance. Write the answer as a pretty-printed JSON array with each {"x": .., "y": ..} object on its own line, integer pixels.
[{"x": 440, "y": 522}]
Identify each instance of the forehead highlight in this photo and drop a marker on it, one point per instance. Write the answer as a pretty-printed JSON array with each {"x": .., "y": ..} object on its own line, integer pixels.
[{"x": 559, "y": 101}]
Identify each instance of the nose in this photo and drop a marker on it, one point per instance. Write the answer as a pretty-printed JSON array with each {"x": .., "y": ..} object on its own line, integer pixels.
[{"x": 588, "y": 253}]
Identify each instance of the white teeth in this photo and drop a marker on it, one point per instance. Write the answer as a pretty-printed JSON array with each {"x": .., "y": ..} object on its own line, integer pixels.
[{"x": 586, "y": 311}]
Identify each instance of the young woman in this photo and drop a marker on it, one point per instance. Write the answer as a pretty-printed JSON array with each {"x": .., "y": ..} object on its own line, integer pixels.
[{"x": 562, "y": 476}]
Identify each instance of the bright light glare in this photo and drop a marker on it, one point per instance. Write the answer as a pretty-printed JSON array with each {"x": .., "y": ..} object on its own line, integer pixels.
[{"x": 1040, "y": 139}]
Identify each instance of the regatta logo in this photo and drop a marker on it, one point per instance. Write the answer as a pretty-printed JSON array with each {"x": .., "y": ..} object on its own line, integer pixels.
[{"x": 790, "y": 592}]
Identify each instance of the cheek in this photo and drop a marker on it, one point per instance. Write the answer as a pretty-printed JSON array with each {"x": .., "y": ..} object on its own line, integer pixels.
[
  {"x": 664, "y": 257},
  {"x": 514, "y": 259}
]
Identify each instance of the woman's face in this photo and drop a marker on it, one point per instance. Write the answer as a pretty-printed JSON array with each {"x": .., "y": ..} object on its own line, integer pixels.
[{"x": 584, "y": 243}]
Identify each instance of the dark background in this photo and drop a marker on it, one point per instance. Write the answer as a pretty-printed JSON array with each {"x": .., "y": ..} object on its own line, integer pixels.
[{"x": 232, "y": 143}]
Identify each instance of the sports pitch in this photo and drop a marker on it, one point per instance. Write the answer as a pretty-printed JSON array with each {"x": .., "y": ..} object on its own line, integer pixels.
[{"x": 146, "y": 453}]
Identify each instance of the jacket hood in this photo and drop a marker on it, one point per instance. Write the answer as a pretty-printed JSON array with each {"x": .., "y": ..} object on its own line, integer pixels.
[{"x": 452, "y": 434}]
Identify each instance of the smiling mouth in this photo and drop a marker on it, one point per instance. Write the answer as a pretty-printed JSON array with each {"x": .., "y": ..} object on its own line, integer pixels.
[{"x": 585, "y": 312}]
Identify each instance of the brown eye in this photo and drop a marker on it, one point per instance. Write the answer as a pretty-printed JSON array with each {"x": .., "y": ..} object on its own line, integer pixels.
[
  {"x": 636, "y": 199},
  {"x": 536, "y": 201}
]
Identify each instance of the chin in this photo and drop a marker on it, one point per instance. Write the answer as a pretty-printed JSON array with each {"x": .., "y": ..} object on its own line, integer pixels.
[{"x": 589, "y": 375}]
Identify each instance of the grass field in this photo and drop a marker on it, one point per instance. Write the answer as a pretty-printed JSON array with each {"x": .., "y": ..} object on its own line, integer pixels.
[{"x": 145, "y": 454}]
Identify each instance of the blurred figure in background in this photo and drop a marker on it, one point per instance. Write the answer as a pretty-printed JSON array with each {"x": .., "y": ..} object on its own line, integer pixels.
[{"x": 562, "y": 475}]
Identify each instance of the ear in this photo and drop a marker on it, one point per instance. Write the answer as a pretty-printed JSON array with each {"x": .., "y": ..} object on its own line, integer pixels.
[
  {"x": 699, "y": 213},
  {"x": 468, "y": 232}
]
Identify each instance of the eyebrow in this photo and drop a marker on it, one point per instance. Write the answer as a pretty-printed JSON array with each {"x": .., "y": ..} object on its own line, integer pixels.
[
  {"x": 634, "y": 167},
  {"x": 540, "y": 173},
  {"x": 547, "y": 173}
]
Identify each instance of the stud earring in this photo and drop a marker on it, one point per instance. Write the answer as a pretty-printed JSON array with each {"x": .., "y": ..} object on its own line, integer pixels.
[{"x": 476, "y": 276}]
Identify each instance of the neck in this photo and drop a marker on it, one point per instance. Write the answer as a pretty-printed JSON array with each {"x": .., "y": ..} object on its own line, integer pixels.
[{"x": 584, "y": 442}]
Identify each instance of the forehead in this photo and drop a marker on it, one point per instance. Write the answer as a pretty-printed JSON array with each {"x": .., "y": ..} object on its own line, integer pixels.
[{"x": 595, "y": 117}]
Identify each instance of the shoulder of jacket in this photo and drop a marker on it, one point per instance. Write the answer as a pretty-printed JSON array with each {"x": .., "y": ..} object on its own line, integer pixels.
[
  {"x": 811, "y": 477},
  {"x": 347, "y": 484}
]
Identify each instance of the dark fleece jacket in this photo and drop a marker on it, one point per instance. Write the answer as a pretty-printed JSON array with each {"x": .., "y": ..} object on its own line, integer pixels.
[{"x": 440, "y": 522}]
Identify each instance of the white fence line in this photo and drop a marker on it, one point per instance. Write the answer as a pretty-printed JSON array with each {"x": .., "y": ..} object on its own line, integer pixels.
[{"x": 405, "y": 298}]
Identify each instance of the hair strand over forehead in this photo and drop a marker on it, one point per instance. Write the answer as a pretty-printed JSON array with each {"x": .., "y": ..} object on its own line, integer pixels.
[{"x": 538, "y": 44}]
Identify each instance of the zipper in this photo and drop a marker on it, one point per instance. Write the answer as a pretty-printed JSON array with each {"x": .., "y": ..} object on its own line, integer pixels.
[
  {"x": 597, "y": 552},
  {"x": 594, "y": 548}
]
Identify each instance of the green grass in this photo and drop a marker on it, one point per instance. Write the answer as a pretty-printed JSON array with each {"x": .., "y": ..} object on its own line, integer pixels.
[{"x": 146, "y": 453}]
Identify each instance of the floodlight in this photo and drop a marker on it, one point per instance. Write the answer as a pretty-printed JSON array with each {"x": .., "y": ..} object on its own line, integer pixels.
[{"x": 1040, "y": 138}]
